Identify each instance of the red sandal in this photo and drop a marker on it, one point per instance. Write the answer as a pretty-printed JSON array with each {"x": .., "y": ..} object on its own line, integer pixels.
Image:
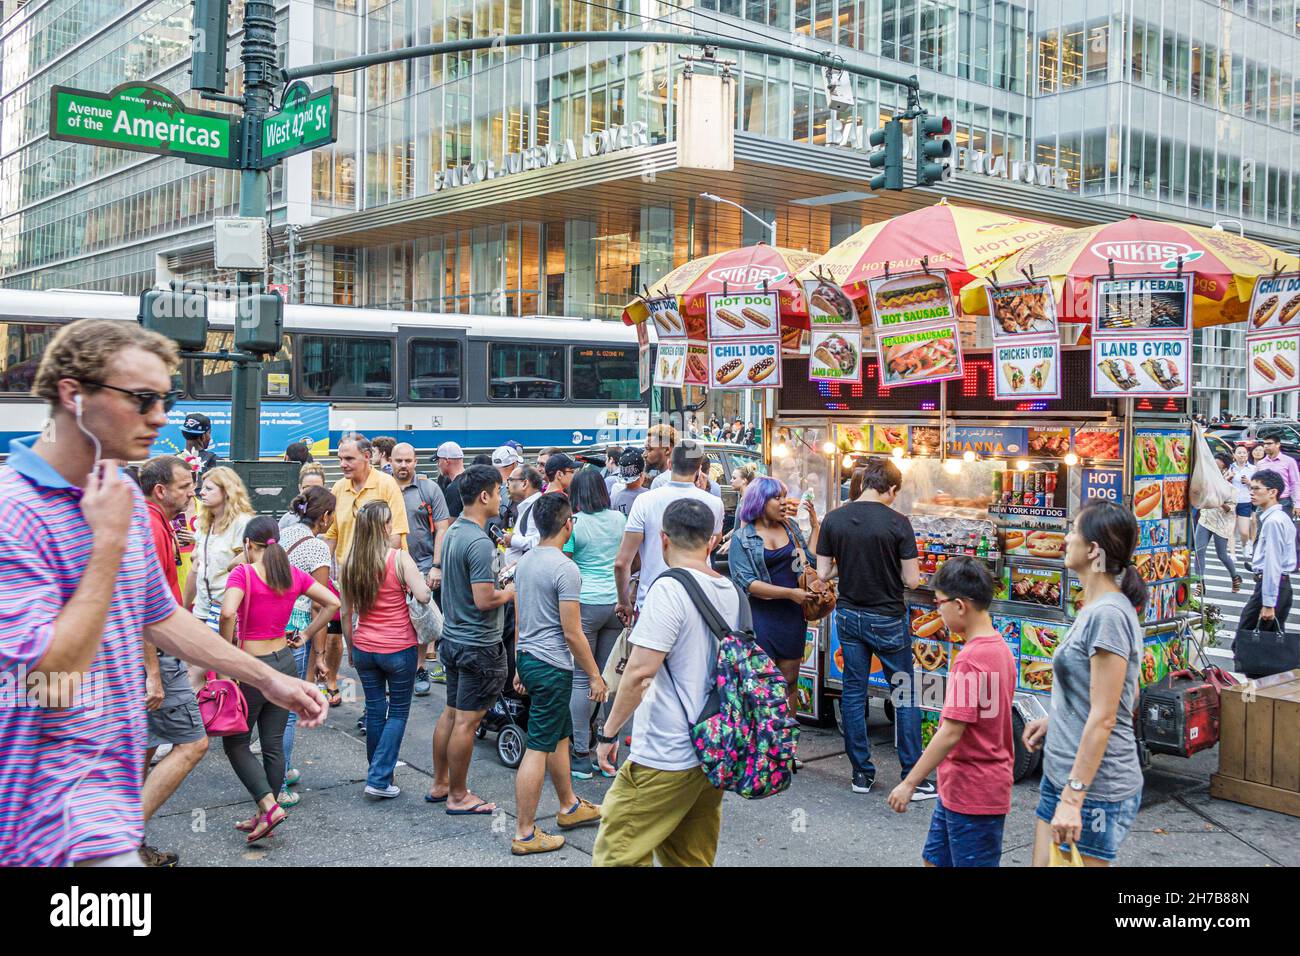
[{"x": 271, "y": 824}]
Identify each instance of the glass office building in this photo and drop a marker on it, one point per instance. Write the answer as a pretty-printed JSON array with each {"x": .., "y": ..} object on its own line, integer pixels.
[{"x": 543, "y": 180}]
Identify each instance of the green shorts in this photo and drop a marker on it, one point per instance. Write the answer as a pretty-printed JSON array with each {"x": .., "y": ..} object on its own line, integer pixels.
[{"x": 549, "y": 689}]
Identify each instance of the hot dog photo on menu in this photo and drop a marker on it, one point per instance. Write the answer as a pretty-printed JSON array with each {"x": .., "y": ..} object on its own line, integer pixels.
[
  {"x": 743, "y": 315},
  {"x": 1275, "y": 303},
  {"x": 752, "y": 363},
  {"x": 1272, "y": 363}
]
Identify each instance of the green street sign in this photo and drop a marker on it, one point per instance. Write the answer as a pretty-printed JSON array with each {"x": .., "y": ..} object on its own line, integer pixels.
[
  {"x": 145, "y": 118},
  {"x": 306, "y": 120}
]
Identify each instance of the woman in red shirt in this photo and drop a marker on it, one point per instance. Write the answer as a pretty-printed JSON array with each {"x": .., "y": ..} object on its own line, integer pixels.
[
  {"x": 375, "y": 580},
  {"x": 258, "y": 601}
]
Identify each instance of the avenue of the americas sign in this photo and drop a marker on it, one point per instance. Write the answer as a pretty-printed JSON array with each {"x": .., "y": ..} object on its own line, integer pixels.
[{"x": 146, "y": 118}]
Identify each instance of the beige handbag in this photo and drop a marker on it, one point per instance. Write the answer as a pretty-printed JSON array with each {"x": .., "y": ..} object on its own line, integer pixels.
[{"x": 617, "y": 662}]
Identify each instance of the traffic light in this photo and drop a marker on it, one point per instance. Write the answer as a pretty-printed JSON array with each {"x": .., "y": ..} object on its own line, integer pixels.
[
  {"x": 932, "y": 146},
  {"x": 259, "y": 323},
  {"x": 208, "y": 59},
  {"x": 889, "y": 154},
  {"x": 180, "y": 316}
]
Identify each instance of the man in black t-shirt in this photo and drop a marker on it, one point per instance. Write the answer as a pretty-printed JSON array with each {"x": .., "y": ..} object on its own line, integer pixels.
[{"x": 873, "y": 550}]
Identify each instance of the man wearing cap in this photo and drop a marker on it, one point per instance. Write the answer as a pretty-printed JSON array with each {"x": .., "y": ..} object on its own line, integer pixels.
[
  {"x": 451, "y": 463},
  {"x": 560, "y": 469},
  {"x": 505, "y": 460},
  {"x": 197, "y": 430},
  {"x": 631, "y": 472}
]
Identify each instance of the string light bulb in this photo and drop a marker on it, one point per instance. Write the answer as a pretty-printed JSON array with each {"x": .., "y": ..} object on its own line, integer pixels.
[
  {"x": 828, "y": 448},
  {"x": 847, "y": 462},
  {"x": 1071, "y": 459},
  {"x": 952, "y": 466},
  {"x": 1022, "y": 464},
  {"x": 780, "y": 450},
  {"x": 898, "y": 453},
  {"x": 968, "y": 455}
]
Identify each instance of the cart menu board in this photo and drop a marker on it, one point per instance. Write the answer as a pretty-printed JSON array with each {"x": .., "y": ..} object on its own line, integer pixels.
[
  {"x": 1161, "y": 463},
  {"x": 742, "y": 315},
  {"x": 1022, "y": 309},
  {"x": 666, "y": 317},
  {"x": 1272, "y": 363},
  {"x": 1275, "y": 303}
]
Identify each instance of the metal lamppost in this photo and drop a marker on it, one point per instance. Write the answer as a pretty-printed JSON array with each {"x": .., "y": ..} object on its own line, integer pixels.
[{"x": 769, "y": 226}]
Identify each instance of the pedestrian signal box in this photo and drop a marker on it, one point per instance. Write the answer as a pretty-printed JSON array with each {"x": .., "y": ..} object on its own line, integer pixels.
[
  {"x": 180, "y": 316},
  {"x": 259, "y": 323}
]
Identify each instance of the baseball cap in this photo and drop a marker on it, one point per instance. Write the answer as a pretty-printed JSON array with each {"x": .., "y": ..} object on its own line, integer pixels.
[
  {"x": 196, "y": 424},
  {"x": 557, "y": 463},
  {"x": 631, "y": 463},
  {"x": 505, "y": 455},
  {"x": 516, "y": 446},
  {"x": 449, "y": 449}
]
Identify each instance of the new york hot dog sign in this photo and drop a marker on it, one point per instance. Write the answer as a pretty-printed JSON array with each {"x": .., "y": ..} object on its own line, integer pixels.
[
  {"x": 751, "y": 363},
  {"x": 1273, "y": 363}
]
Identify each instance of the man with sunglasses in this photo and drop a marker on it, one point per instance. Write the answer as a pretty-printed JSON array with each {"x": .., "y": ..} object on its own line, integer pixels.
[
  {"x": 80, "y": 593},
  {"x": 197, "y": 431}
]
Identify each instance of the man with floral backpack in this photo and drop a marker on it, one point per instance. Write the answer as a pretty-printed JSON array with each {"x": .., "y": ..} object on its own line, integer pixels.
[{"x": 662, "y": 804}]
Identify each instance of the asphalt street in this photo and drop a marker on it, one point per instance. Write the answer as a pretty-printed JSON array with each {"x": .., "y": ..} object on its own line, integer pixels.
[{"x": 818, "y": 822}]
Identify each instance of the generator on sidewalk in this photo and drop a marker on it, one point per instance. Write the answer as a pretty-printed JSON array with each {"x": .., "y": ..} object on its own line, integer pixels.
[{"x": 1180, "y": 714}]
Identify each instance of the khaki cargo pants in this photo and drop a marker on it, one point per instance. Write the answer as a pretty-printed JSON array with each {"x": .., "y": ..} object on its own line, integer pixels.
[{"x": 674, "y": 815}]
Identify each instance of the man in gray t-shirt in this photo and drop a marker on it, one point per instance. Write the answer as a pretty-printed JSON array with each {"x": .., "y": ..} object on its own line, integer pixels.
[
  {"x": 548, "y": 591},
  {"x": 469, "y": 558}
]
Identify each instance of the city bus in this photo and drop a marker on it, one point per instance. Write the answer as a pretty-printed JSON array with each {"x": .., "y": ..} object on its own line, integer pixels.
[{"x": 421, "y": 377}]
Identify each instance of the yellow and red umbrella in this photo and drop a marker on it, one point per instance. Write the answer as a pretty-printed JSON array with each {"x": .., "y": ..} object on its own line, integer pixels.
[
  {"x": 750, "y": 269},
  {"x": 1223, "y": 266},
  {"x": 955, "y": 239}
]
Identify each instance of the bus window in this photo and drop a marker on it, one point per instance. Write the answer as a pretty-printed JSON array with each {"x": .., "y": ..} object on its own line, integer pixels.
[
  {"x": 210, "y": 378},
  {"x": 525, "y": 372},
  {"x": 21, "y": 347},
  {"x": 337, "y": 366},
  {"x": 606, "y": 373},
  {"x": 435, "y": 370}
]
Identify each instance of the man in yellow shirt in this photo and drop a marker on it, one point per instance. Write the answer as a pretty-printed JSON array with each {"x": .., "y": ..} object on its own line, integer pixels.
[{"x": 360, "y": 485}]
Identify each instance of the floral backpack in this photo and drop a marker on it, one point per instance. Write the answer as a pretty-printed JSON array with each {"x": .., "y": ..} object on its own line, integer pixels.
[{"x": 745, "y": 736}]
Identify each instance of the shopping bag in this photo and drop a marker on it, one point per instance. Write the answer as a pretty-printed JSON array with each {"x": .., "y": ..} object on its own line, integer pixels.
[
  {"x": 1207, "y": 488},
  {"x": 1060, "y": 858},
  {"x": 618, "y": 656},
  {"x": 1262, "y": 652}
]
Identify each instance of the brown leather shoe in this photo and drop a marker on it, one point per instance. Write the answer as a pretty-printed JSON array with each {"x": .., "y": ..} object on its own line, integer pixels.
[
  {"x": 152, "y": 856},
  {"x": 540, "y": 843},
  {"x": 584, "y": 813}
]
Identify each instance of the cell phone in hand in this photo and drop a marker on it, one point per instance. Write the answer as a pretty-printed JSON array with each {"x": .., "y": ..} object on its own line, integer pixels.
[{"x": 495, "y": 533}]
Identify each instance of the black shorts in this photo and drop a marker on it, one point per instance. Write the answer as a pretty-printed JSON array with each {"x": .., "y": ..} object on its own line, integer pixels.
[{"x": 476, "y": 674}]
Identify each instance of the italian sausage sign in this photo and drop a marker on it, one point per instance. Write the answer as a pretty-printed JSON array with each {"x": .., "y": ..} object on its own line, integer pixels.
[
  {"x": 745, "y": 363},
  {"x": 1272, "y": 363}
]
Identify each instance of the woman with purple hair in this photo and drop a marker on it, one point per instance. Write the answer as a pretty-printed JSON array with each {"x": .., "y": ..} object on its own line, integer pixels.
[{"x": 767, "y": 552}]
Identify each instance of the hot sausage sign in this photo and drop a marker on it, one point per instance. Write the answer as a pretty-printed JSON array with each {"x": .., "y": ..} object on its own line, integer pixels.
[{"x": 747, "y": 363}]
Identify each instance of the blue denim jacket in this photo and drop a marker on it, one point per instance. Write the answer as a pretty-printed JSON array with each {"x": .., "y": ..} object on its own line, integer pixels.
[{"x": 746, "y": 555}]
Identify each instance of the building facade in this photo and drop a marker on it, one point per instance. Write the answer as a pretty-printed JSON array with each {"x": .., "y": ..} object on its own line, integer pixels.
[{"x": 529, "y": 180}]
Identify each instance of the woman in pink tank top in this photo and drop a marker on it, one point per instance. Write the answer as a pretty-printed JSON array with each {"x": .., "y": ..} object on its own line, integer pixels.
[{"x": 375, "y": 580}]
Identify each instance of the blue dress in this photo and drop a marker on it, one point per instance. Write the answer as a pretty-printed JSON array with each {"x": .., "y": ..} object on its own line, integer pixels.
[{"x": 778, "y": 624}]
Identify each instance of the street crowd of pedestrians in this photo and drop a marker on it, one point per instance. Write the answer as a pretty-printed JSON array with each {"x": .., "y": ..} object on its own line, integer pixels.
[{"x": 538, "y": 572}]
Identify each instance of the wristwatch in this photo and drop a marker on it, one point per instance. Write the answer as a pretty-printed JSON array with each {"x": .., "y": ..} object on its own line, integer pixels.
[
  {"x": 602, "y": 739},
  {"x": 1077, "y": 785},
  {"x": 438, "y": 565}
]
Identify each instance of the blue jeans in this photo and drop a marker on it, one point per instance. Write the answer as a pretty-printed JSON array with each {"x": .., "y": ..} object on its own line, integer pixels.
[
  {"x": 300, "y": 655},
  {"x": 1105, "y": 822},
  {"x": 963, "y": 839},
  {"x": 862, "y": 634},
  {"x": 385, "y": 719}
]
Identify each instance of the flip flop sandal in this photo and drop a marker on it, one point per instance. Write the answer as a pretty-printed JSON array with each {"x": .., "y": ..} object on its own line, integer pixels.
[
  {"x": 430, "y": 798},
  {"x": 248, "y": 826},
  {"x": 474, "y": 811},
  {"x": 335, "y": 697},
  {"x": 1236, "y": 584},
  {"x": 271, "y": 824}
]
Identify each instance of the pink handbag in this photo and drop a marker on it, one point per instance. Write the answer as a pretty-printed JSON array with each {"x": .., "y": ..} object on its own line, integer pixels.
[
  {"x": 221, "y": 702},
  {"x": 222, "y": 705}
]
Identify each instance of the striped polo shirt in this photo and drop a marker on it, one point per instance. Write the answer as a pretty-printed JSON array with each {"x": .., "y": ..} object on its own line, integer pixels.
[{"x": 70, "y": 778}]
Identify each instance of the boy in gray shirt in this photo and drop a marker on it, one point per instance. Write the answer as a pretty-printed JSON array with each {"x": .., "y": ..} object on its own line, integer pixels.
[{"x": 550, "y": 642}]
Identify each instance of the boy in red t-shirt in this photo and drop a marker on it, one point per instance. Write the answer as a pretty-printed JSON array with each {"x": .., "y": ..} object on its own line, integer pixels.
[{"x": 973, "y": 747}]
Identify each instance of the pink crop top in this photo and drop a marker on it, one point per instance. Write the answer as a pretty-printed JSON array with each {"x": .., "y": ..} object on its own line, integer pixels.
[{"x": 263, "y": 614}]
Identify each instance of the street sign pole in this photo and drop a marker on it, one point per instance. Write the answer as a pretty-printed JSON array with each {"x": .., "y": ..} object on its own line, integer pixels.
[{"x": 257, "y": 54}]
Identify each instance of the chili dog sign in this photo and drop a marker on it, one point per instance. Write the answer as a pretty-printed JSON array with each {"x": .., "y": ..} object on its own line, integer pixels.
[
  {"x": 751, "y": 363},
  {"x": 1272, "y": 363},
  {"x": 1275, "y": 303},
  {"x": 743, "y": 316}
]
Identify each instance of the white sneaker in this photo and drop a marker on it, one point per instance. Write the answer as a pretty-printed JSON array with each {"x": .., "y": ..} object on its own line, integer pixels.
[{"x": 387, "y": 793}]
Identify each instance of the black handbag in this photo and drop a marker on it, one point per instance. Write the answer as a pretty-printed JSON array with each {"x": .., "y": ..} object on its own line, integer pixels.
[{"x": 1262, "y": 652}]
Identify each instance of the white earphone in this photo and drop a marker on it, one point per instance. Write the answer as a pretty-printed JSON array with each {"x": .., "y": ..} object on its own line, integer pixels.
[{"x": 99, "y": 449}]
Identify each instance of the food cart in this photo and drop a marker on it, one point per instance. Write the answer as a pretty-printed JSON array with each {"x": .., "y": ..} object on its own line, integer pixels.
[{"x": 998, "y": 481}]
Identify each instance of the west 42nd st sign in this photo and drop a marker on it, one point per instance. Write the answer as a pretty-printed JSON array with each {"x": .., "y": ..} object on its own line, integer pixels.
[
  {"x": 306, "y": 120},
  {"x": 145, "y": 118}
]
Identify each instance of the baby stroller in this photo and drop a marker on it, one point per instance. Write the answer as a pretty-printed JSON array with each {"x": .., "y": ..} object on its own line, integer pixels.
[{"x": 508, "y": 717}]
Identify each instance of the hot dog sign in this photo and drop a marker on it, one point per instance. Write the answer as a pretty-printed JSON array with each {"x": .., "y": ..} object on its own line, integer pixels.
[
  {"x": 743, "y": 315},
  {"x": 1272, "y": 363},
  {"x": 751, "y": 363}
]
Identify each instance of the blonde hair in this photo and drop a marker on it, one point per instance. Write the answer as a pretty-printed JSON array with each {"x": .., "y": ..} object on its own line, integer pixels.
[
  {"x": 238, "y": 504},
  {"x": 310, "y": 468},
  {"x": 83, "y": 350},
  {"x": 662, "y": 435},
  {"x": 363, "y": 570}
]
